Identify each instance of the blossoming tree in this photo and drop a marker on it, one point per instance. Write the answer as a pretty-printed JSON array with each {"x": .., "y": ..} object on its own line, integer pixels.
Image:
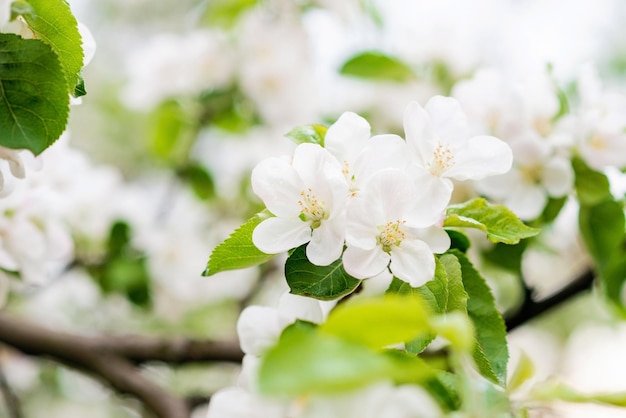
[{"x": 386, "y": 242}]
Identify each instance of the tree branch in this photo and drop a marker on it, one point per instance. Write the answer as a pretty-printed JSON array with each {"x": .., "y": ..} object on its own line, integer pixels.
[
  {"x": 110, "y": 358},
  {"x": 530, "y": 308},
  {"x": 10, "y": 399}
]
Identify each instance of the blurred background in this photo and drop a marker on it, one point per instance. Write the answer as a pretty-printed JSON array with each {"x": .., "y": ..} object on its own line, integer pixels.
[{"x": 186, "y": 96}]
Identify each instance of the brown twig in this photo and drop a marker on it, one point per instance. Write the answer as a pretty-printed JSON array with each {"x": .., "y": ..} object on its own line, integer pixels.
[
  {"x": 111, "y": 358},
  {"x": 531, "y": 309},
  {"x": 12, "y": 402}
]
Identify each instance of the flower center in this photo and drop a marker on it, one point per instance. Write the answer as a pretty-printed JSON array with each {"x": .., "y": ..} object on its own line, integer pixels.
[
  {"x": 350, "y": 178},
  {"x": 443, "y": 158},
  {"x": 597, "y": 142},
  {"x": 311, "y": 209},
  {"x": 391, "y": 234}
]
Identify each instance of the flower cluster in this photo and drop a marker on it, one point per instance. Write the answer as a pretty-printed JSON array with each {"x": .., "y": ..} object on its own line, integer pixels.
[{"x": 376, "y": 201}]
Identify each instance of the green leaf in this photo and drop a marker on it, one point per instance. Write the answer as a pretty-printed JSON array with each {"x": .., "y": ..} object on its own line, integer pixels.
[
  {"x": 592, "y": 187},
  {"x": 379, "y": 322},
  {"x": 507, "y": 256},
  {"x": 458, "y": 240},
  {"x": 320, "y": 282},
  {"x": 602, "y": 227},
  {"x": 445, "y": 293},
  {"x": 124, "y": 270},
  {"x": 444, "y": 388},
  {"x": 305, "y": 361},
  {"x": 53, "y": 22},
  {"x": 224, "y": 13},
  {"x": 553, "y": 389},
  {"x": 313, "y": 134},
  {"x": 238, "y": 251},
  {"x": 80, "y": 90},
  {"x": 170, "y": 132},
  {"x": 199, "y": 179},
  {"x": 498, "y": 222},
  {"x": 34, "y": 103},
  {"x": 375, "y": 65},
  {"x": 491, "y": 353},
  {"x": 524, "y": 370}
]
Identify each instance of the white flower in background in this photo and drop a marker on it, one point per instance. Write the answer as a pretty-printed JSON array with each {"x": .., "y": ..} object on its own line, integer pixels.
[
  {"x": 598, "y": 127},
  {"x": 13, "y": 165},
  {"x": 537, "y": 174},
  {"x": 378, "y": 400},
  {"x": 386, "y": 227},
  {"x": 5, "y": 12},
  {"x": 176, "y": 65},
  {"x": 259, "y": 327},
  {"x": 507, "y": 106},
  {"x": 360, "y": 156},
  {"x": 275, "y": 68},
  {"x": 308, "y": 197},
  {"x": 441, "y": 149}
]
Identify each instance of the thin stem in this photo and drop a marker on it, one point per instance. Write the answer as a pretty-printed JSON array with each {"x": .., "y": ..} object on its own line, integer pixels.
[
  {"x": 11, "y": 400},
  {"x": 531, "y": 309}
]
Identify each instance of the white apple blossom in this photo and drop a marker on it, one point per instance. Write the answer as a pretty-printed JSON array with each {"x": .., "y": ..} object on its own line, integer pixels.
[
  {"x": 441, "y": 149},
  {"x": 387, "y": 227},
  {"x": 598, "y": 127},
  {"x": 274, "y": 66},
  {"x": 537, "y": 173},
  {"x": 170, "y": 65},
  {"x": 308, "y": 197},
  {"x": 505, "y": 105},
  {"x": 259, "y": 327},
  {"x": 348, "y": 139},
  {"x": 5, "y": 12}
]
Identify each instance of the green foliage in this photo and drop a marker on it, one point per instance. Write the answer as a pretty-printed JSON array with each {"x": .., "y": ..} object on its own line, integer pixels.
[
  {"x": 592, "y": 187},
  {"x": 53, "y": 22},
  {"x": 379, "y": 322},
  {"x": 374, "y": 65},
  {"x": 225, "y": 13},
  {"x": 34, "y": 104},
  {"x": 506, "y": 256},
  {"x": 199, "y": 179},
  {"x": 306, "y": 361},
  {"x": 170, "y": 132},
  {"x": 458, "y": 240},
  {"x": 524, "y": 370},
  {"x": 445, "y": 293},
  {"x": 498, "y": 222},
  {"x": 313, "y": 134},
  {"x": 123, "y": 270},
  {"x": 603, "y": 230},
  {"x": 320, "y": 282},
  {"x": 238, "y": 251},
  {"x": 491, "y": 353}
]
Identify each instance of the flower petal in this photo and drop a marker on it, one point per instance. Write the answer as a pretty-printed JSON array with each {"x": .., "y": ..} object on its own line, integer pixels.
[
  {"x": 258, "y": 328},
  {"x": 347, "y": 137},
  {"x": 433, "y": 196},
  {"x": 419, "y": 135},
  {"x": 449, "y": 123},
  {"x": 528, "y": 201},
  {"x": 276, "y": 235},
  {"x": 413, "y": 262},
  {"x": 326, "y": 242},
  {"x": 482, "y": 156},
  {"x": 558, "y": 177},
  {"x": 364, "y": 264},
  {"x": 436, "y": 238},
  {"x": 276, "y": 182}
]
